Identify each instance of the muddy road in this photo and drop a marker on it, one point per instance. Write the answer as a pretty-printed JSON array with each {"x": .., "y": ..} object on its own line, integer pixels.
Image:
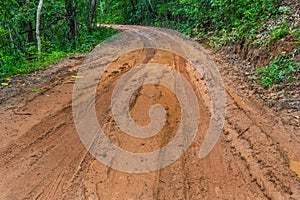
[{"x": 43, "y": 157}]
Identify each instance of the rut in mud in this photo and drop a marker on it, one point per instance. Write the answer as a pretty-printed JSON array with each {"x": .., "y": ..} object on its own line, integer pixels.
[{"x": 42, "y": 156}]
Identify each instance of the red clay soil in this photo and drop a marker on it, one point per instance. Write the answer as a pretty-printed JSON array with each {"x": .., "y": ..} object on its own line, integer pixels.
[{"x": 42, "y": 157}]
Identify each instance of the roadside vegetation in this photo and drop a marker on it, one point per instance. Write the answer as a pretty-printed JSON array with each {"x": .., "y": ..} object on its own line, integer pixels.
[
  {"x": 69, "y": 27},
  {"x": 280, "y": 69},
  {"x": 66, "y": 27},
  {"x": 259, "y": 23}
]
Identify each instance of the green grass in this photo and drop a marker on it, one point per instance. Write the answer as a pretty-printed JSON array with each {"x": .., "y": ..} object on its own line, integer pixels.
[
  {"x": 13, "y": 63},
  {"x": 280, "y": 70}
]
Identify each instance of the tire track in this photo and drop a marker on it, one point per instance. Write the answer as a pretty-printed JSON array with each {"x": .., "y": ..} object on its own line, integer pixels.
[{"x": 46, "y": 159}]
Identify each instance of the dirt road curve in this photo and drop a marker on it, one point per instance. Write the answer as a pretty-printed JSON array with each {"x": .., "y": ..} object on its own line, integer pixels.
[{"x": 42, "y": 156}]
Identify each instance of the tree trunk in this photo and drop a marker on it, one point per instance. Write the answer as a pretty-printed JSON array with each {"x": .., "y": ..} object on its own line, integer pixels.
[
  {"x": 92, "y": 8},
  {"x": 71, "y": 18},
  {"x": 11, "y": 39},
  {"x": 151, "y": 8},
  {"x": 38, "y": 17},
  {"x": 30, "y": 35}
]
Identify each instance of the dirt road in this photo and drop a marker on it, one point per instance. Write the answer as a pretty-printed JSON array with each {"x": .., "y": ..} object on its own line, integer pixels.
[{"x": 42, "y": 156}]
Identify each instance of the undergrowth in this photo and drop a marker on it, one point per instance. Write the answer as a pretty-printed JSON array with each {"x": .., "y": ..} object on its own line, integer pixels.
[
  {"x": 280, "y": 70},
  {"x": 12, "y": 63}
]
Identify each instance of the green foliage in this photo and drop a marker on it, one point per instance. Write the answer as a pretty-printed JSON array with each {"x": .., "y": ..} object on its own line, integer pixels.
[
  {"x": 281, "y": 69},
  {"x": 69, "y": 26},
  {"x": 280, "y": 32},
  {"x": 18, "y": 52},
  {"x": 220, "y": 21}
]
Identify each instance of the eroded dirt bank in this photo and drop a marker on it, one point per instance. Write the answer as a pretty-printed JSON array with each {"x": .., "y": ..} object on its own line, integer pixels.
[{"x": 42, "y": 157}]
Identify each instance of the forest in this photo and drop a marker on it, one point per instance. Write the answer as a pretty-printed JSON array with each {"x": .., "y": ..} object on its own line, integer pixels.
[{"x": 36, "y": 33}]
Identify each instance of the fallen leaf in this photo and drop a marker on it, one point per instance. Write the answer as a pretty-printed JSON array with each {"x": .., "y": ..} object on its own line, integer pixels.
[
  {"x": 4, "y": 84},
  {"x": 35, "y": 90},
  {"x": 77, "y": 77}
]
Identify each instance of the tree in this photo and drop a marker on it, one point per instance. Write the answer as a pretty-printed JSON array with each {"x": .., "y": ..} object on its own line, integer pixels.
[
  {"x": 38, "y": 18},
  {"x": 72, "y": 22},
  {"x": 30, "y": 34},
  {"x": 91, "y": 14}
]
